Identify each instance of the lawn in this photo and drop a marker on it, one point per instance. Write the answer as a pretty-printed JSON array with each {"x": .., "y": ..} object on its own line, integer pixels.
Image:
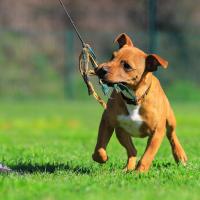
[{"x": 49, "y": 146}]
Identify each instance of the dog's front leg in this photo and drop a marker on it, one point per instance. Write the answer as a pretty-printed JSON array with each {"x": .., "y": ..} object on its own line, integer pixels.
[
  {"x": 125, "y": 140},
  {"x": 104, "y": 135},
  {"x": 153, "y": 145}
]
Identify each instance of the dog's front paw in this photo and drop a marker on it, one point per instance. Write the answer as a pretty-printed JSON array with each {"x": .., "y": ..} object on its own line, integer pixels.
[
  {"x": 131, "y": 163},
  {"x": 128, "y": 169},
  {"x": 100, "y": 156}
]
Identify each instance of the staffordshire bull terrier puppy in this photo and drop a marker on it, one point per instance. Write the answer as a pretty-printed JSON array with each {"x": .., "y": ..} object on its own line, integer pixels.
[{"x": 149, "y": 115}]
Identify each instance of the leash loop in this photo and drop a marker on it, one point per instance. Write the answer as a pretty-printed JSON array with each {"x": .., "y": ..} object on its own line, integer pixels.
[{"x": 87, "y": 56}]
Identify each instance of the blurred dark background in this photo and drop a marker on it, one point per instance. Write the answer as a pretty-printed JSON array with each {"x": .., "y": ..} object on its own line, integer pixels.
[{"x": 39, "y": 50}]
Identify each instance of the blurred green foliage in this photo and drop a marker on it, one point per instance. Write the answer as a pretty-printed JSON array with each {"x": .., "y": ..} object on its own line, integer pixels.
[
  {"x": 183, "y": 91},
  {"x": 26, "y": 70}
]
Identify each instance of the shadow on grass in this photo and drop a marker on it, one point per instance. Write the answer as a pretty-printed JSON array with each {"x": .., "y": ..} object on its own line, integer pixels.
[
  {"x": 30, "y": 168},
  {"x": 49, "y": 168}
]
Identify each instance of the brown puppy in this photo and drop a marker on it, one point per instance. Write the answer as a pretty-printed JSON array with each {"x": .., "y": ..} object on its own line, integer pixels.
[{"x": 150, "y": 115}]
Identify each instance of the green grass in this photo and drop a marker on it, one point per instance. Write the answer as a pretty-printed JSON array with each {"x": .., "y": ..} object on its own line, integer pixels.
[{"x": 49, "y": 144}]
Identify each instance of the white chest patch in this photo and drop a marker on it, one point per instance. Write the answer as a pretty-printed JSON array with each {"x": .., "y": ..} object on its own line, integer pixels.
[{"x": 132, "y": 122}]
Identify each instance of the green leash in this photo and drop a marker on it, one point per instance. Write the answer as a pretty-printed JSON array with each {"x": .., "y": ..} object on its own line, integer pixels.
[{"x": 88, "y": 56}]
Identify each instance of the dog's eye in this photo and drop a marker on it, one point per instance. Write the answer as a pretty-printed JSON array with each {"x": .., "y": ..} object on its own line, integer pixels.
[{"x": 126, "y": 66}]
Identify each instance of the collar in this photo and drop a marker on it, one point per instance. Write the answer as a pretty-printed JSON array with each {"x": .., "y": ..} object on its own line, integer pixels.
[{"x": 135, "y": 101}]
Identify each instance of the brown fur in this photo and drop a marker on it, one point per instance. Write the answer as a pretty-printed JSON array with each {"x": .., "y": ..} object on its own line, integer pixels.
[{"x": 155, "y": 108}]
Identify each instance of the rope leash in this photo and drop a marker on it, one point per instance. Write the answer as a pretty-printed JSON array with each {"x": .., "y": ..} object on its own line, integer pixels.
[{"x": 88, "y": 56}]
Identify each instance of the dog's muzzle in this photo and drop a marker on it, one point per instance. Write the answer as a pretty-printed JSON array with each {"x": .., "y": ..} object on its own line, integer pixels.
[{"x": 102, "y": 72}]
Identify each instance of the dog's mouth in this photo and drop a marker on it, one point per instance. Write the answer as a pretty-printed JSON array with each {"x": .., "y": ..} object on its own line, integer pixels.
[
  {"x": 111, "y": 84},
  {"x": 108, "y": 83}
]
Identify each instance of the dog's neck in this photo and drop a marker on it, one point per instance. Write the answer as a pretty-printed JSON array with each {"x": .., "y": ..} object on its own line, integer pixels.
[
  {"x": 143, "y": 85},
  {"x": 141, "y": 90}
]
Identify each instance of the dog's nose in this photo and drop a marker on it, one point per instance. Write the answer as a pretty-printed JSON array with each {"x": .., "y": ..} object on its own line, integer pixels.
[{"x": 102, "y": 72}]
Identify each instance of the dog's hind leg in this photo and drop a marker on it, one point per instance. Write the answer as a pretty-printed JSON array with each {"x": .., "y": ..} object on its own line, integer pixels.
[
  {"x": 125, "y": 140},
  {"x": 177, "y": 150},
  {"x": 104, "y": 135}
]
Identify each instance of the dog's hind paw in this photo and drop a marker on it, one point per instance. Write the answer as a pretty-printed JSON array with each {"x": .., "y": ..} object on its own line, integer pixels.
[{"x": 180, "y": 156}]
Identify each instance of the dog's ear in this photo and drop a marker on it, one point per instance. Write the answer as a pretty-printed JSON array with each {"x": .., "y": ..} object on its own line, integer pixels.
[
  {"x": 153, "y": 61},
  {"x": 123, "y": 39}
]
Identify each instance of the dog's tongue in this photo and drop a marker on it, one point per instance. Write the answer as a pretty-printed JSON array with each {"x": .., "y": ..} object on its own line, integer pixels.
[{"x": 4, "y": 169}]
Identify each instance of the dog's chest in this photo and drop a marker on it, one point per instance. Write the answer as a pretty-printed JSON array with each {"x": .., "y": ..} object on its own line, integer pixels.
[{"x": 132, "y": 122}]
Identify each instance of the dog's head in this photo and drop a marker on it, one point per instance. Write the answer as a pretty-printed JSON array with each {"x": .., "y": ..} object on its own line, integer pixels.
[{"x": 128, "y": 64}]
